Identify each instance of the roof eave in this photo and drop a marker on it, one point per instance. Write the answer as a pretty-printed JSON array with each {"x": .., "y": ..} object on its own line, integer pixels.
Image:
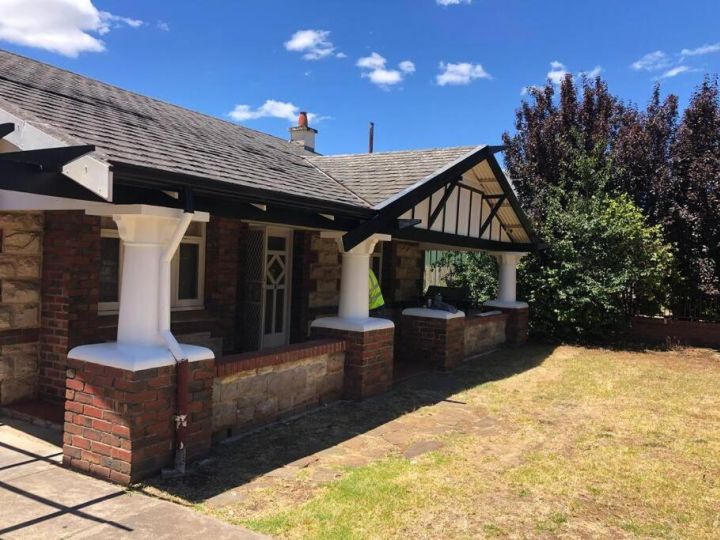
[{"x": 147, "y": 177}]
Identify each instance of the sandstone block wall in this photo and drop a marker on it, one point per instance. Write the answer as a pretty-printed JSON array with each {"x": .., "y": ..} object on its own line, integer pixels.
[
  {"x": 403, "y": 269},
  {"x": 251, "y": 389},
  {"x": 21, "y": 241},
  {"x": 484, "y": 333}
]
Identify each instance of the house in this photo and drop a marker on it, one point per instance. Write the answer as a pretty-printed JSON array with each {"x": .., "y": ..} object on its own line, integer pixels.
[{"x": 129, "y": 224}]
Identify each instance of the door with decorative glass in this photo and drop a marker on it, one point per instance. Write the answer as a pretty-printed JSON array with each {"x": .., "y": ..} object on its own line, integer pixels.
[{"x": 277, "y": 287}]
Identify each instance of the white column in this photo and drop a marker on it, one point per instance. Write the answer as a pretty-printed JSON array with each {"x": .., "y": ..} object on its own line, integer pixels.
[
  {"x": 354, "y": 281},
  {"x": 144, "y": 239},
  {"x": 149, "y": 237},
  {"x": 354, "y": 303},
  {"x": 507, "y": 280}
]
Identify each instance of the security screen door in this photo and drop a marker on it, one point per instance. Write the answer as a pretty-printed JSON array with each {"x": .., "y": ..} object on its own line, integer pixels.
[{"x": 277, "y": 287}]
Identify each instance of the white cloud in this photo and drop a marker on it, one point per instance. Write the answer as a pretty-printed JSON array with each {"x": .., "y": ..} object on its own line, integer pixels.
[
  {"x": 452, "y": 2},
  {"x": 67, "y": 27},
  {"x": 460, "y": 74},
  {"x": 708, "y": 48},
  {"x": 110, "y": 21},
  {"x": 162, "y": 25},
  {"x": 406, "y": 66},
  {"x": 557, "y": 72},
  {"x": 271, "y": 109},
  {"x": 374, "y": 67},
  {"x": 341, "y": 55},
  {"x": 674, "y": 72},
  {"x": 653, "y": 61},
  {"x": 314, "y": 44},
  {"x": 374, "y": 61}
]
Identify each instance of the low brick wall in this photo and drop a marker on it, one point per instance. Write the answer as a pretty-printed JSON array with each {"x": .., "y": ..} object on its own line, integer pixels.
[
  {"x": 119, "y": 424},
  {"x": 368, "y": 360},
  {"x": 435, "y": 342},
  {"x": 483, "y": 333},
  {"x": 660, "y": 330},
  {"x": 256, "y": 388}
]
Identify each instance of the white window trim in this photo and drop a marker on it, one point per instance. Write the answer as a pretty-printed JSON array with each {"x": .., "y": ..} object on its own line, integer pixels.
[{"x": 109, "y": 308}]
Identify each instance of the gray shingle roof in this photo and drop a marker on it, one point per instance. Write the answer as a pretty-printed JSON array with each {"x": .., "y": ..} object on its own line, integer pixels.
[
  {"x": 377, "y": 177},
  {"x": 131, "y": 129}
]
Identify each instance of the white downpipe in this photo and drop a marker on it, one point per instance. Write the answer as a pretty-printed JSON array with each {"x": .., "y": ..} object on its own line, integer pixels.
[{"x": 164, "y": 287}]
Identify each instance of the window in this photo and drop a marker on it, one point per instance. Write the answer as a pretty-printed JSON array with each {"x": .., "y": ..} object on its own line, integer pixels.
[
  {"x": 187, "y": 268},
  {"x": 376, "y": 261}
]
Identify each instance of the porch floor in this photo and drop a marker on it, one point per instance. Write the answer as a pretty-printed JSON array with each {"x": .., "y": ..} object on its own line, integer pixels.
[{"x": 39, "y": 412}]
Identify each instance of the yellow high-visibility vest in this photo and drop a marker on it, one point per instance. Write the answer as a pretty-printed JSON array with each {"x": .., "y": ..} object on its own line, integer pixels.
[{"x": 376, "y": 297}]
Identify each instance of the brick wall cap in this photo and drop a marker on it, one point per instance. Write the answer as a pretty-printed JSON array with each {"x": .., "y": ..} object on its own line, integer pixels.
[
  {"x": 135, "y": 357},
  {"x": 506, "y": 305},
  {"x": 369, "y": 324},
  {"x": 432, "y": 313},
  {"x": 235, "y": 363}
]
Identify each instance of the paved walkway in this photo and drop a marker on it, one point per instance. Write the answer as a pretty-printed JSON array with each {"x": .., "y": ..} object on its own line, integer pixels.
[{"x": 40, "y": 499}]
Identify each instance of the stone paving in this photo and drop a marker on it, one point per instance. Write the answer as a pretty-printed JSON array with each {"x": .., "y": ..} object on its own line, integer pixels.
[
  {"x": 321, "y": 446},
  {"x": 40, "y": 499}
]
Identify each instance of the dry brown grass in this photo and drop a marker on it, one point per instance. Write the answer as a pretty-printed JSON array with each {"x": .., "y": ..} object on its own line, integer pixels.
[{"x": 589, "y": 443}]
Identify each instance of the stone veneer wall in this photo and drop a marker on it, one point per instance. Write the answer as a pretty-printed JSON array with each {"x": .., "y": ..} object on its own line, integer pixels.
[
  {"x": 21, "y": 241},
  {"x": 403, "y": 268},
  {"x": 119, "y": 424},
  {"x": 484, "y": 333},
  {"x": 317, "y": 267},
  {"x": 256, "y": 388}
]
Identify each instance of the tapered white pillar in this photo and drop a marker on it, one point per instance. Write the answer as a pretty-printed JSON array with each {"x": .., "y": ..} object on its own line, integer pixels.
[
  {"x": 354, "y": 304},
  {"x": 146, "y": 234},
  {"x": 507, "y": 280}
]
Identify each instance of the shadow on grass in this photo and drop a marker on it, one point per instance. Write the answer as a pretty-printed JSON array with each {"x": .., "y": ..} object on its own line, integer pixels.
[{"x": 274, "y": 446}]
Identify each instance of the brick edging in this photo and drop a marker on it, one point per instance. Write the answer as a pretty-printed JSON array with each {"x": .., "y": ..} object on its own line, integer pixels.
[{"x": 235, "y": 363}]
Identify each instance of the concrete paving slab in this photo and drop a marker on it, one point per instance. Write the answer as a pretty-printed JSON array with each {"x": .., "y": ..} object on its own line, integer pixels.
[{"x": 40, "y": 499}]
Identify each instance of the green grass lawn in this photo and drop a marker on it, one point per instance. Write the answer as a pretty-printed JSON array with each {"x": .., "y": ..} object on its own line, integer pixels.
[{"x": 586, "y": 443}]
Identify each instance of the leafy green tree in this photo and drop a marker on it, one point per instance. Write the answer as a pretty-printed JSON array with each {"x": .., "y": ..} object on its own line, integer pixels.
[
  {"x": 474, "y": 272},
  {"x": 602, "y": 264}
]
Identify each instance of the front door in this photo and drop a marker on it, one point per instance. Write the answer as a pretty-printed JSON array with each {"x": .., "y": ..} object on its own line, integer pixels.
[{"x": 277, "y": 287}]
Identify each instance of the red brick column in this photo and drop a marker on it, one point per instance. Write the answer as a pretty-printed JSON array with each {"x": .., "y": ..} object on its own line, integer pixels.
[
  {"x": 436, "y": 341},
  {"x": 368, "y": 360},
  {"x": 70, "y": 292},
  {"x": 222, "y": 257},
  {"x": 119, "y": 424}
]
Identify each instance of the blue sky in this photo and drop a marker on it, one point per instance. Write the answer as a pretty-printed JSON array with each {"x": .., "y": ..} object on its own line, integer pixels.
[{"x": 440, "y": 75}]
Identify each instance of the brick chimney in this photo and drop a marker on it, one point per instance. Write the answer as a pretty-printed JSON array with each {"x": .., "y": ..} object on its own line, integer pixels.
[{"x": 303, "y": 134}]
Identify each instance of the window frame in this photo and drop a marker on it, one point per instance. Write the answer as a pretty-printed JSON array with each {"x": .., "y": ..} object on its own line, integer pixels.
[{"x": 176, "y": 304}]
